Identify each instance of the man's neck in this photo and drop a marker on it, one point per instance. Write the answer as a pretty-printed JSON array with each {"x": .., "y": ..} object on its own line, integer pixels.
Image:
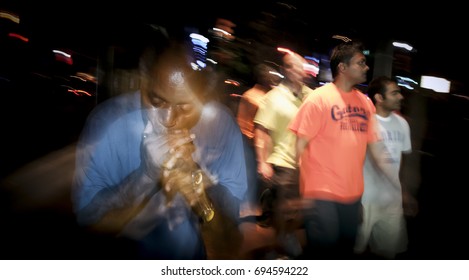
[
  {"x": 262, "y": 87},
  {"x": 295, "y": 88},
  {"x": 344, "y": 85},
  {"x": 382, "y": 113}
]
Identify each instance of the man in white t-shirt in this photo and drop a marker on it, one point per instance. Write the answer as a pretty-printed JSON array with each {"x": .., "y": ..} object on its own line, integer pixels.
[{"x": 383, "y": 229}]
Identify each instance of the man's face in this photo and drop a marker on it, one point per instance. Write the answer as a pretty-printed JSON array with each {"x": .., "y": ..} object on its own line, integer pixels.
[
  {"x": 356, "y": 69},
  {"x": 293, "y": 65},
  {"x": 171, "y": 99},
  {"x": 392, "y": 98}
]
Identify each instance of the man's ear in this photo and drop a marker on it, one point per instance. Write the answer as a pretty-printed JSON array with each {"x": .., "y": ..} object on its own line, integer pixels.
[
  {"x": 378, "y": 97},
  {"x": 341, "y": 66}
]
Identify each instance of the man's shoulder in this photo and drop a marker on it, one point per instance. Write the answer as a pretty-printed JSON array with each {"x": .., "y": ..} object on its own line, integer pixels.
[
  {"x": 127, "y": 100},
  {"x": 306, "y": 90},
  {"x": 324, "y": 89},
  {"x": 276, "y": 90},
  {"x": 114, "y": 109},
  {"x": 321, "y": 92},
  {"x": 119, "y": 103},
  {"x": 253, "y": 95},
  {"x": 214, "y": 111},
  {"x": 216, "y": 122},
  {"x": 400, "y": 118}
]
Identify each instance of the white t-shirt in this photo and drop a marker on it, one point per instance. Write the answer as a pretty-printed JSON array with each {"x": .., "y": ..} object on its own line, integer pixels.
[{"x": 395, "y": 133}]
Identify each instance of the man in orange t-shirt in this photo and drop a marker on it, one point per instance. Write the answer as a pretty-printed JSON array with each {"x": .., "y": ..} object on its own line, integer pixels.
[{"x": 334, "y": 127}]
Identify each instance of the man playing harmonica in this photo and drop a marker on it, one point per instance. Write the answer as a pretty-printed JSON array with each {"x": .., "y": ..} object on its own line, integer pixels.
[{"x": 163, "y": 167}]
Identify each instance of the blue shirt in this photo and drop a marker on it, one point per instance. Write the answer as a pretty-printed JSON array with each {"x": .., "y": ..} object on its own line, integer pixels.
[{"x": 109, "y": 150}]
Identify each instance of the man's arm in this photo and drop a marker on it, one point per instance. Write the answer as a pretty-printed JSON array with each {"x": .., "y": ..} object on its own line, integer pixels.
[
  {"x": 263, "y": 143},
  {"x": 111, "y": 208},
  {"x": 301, "y": 144},
  {"x": 380, "y": 155}
]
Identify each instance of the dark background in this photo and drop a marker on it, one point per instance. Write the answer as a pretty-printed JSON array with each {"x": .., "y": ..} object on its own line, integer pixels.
[{"x": 40, "y": 121}]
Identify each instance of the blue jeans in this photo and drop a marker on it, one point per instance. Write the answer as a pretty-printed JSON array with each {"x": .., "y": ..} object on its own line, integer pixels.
[{"x": 331, "y": 229}]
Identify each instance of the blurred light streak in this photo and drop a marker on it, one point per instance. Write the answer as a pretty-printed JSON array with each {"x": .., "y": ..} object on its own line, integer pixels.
[
  {"x": 232, "y": 82},
  {"x": 212, "y": 61},
  {"x": 312, "y": 58},
  {"x": 10, "y": 16},
  {"x": 199, "y": 37},
  {"x": 405, "y": 85},
  {"x": 276, "y": 74},
  {"x": 200, "y": 50},
  {"x": 79, "y": 92},
  {"x": 195, "y": 66},
  {"x": 201, "y": 64},
  {"x": 61, "y": 53},
  {"x": 284, "y": 50},
  {"x": 407, "y": 79},
  {"x": 343, "y": 38},
  {"x": 22, "y": 38},
  {"x": 311, "y": 69},
  {"x": 63, "y": 57},
  {"x": 222, "y": 31},
  {"x": 76, "y": 77},
  {"x": 86, "y": 76},
  {"x": 402, "y": 45}
]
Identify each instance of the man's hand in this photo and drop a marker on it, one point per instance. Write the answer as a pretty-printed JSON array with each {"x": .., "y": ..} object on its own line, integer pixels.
[
  {"x": 164, "y": 150},
  {"x": 180, "y": 152},
  {"x": 265, "y": 170},
  {"x": 178, "y": 181},
  {"x": 178, "y": 166}
]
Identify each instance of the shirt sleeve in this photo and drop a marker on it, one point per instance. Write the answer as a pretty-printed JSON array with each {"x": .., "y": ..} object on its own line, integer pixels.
[
  {"x": 308, "y": 120},
  {"x": 220, "y": 149},
  {"x": 407, "y": 145},
  {"x": 107, "y": 152},
  {"x": 373, "y": 131},
  {"x": 265, "y": 114}
]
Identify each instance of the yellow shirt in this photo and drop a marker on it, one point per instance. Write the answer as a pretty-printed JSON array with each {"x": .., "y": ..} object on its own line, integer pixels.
[{"x": 277, "y": 109}]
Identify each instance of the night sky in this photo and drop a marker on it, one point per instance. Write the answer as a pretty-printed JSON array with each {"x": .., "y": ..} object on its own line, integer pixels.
[{"x": 432, "y": 29}]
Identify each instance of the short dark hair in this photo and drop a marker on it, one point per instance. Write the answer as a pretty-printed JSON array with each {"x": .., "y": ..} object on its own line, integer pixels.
[
  {"x": 379, "y": 85},
  {"x": 151, "y": 53},
  {"x": 261, "y": 74},
  {"x": 344, "y": 53},
  {"x": 173, "y": 55}
]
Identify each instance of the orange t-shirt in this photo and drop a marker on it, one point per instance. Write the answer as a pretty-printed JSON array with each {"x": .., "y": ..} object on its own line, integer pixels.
[
  {"x": 247, "y": 109},
  {"x": 338, "y": 126}
]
